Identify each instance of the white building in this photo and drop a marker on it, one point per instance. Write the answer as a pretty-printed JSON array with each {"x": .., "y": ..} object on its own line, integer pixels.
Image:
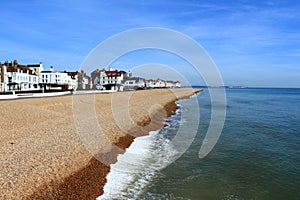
[
  {"x": 162, "y": 84},
  {"x": 172, "y": 84},
  {"x": 3, "y": 78},
  {"x": 150, "y": 83},
  {"x": 19, "y": 78},
  {"x": 15, "y": 77},
  {"x": 134, "y": 83},
  {"x": 177, "y": 84},
  {"x": 22, "y": 80},
  {"x": 158, "y": 83},
  {"x": 58, "y": 80},
  {"x": 112, "y": 79}
]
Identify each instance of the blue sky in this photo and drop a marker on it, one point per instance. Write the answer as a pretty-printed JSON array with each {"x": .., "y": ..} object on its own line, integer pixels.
[{"x": 253, "y": 43}]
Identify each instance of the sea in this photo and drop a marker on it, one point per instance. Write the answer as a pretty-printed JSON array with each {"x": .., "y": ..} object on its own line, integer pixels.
[{"x": 257, "y": 155}]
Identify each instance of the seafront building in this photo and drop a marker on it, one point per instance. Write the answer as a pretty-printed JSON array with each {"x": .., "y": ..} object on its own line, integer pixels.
[
  {"x": 134, "y": 83},
  {"x": 108, "y": 79},
  {"x": 58, "y": 80},
  {"x": 159, "y": 83},
  {"x": 115, "y": 80},
  {"x": 17, "y": 77},
  {"x": 84, "y": 81},
  {"x": 36, "y": 68},
  {"x": 112, "y": 79},
  {"x": 173, "y": 84},
  {"x": 3, "y": 77}
]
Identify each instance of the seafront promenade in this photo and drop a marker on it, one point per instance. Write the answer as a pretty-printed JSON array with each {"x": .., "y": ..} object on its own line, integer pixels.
[
  {"x": 33, "y": 95},
  {"x": 50, "y": 94}
]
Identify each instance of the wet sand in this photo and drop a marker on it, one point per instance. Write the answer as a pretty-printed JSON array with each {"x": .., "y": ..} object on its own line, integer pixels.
[{"x": 42, "y": 154}]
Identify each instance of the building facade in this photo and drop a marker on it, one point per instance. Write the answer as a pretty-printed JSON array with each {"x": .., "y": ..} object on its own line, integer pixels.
[
  {"x": 16, "y": 77},
  {"x": 3, "y": 78},
  {"x": 58, "y": 80},
  {"x": 134, "y": 83},
  {"x": 111, "y": 79},
  {"x": 84, "y": 81},
  {"x": 158, "y": 83},
  {"x": 36, "y": 68}
]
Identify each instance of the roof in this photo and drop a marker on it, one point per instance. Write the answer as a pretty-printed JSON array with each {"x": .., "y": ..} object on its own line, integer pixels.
[
  {"x": 48, "y": 72},
  {"x": 24, "y": 68},
  {"x": 111, "y": 73},
  {"x": 33, "y": 65},
  {"x": 122, "y": 72},
  {"x": 72, "y": 73}
]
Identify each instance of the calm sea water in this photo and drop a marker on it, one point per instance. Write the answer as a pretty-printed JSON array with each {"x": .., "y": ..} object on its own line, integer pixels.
[{"x": 256, "y": 157}]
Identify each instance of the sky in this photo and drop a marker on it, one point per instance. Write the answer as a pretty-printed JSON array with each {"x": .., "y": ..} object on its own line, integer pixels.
[{"x": 253, "y": 43}]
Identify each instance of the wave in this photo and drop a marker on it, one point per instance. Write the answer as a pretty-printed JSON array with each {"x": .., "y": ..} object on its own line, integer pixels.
[{"x": 141, "y": 163}]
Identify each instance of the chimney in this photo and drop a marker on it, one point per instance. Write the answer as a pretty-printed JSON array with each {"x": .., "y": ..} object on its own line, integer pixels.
[
  {"x": 15, "y": 63},
  {"x": 51, "y": 68}
]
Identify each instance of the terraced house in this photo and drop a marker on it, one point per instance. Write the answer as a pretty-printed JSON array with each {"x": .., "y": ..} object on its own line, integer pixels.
[
  {"x": 58, "y": 80},
  {"x": 3, "y": 77},
  {"x": 18, "y": 77},
  {"x": 111, "y": 79}
]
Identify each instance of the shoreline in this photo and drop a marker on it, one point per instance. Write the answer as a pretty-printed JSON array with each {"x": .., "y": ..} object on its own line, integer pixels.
[
  {"x": 87, "y": 182},
  {"x": 108, "y": 192}
]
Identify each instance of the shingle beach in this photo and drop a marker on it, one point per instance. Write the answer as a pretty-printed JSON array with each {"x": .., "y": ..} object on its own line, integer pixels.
[{"x": 42, "y": 155}]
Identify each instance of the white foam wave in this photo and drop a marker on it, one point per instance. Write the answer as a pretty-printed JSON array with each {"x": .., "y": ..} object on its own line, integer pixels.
[{"x": 134, "y": 169}]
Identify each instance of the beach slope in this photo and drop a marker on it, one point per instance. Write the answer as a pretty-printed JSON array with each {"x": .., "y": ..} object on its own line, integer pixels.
[{"x": 44, "y": 157}]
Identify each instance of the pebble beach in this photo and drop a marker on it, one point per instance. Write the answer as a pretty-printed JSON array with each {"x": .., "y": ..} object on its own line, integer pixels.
[{"x": 42, "y": 155}]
